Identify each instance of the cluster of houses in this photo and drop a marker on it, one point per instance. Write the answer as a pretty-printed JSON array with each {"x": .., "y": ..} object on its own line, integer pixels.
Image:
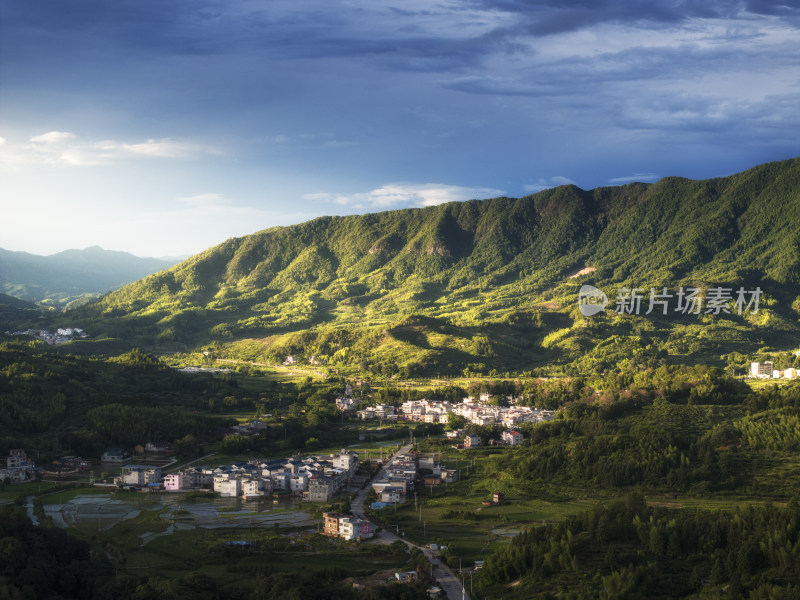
[
  {"x": 315, "y": 478},
  {"x": 404, "y": 472},
  {"x": 18, "y": 467},
  {"x": 437, "y": 411},
  {"x": 510, "y": 437},
  {"x": 66, "y": 467},
  {"x": 61, "y": 335},
  {"x": 767, "y": 370},
  {"x": 346, "y": 527},
  {"x": 292, "y": 360}
]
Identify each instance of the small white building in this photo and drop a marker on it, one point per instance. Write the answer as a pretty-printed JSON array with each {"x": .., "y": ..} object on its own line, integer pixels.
[
  {"x": 393, "y": 494},
  {"x": 140, "y": 475},
  {"x": 113, "y": 455},
  {"x": 512, "y": 437}
]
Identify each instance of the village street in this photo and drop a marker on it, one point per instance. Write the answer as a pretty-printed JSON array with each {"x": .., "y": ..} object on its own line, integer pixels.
[{"x": 447, "y": 580}]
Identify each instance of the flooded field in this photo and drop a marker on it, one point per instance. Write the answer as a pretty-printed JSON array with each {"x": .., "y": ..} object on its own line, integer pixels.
[{"x": 104, "y": 511}]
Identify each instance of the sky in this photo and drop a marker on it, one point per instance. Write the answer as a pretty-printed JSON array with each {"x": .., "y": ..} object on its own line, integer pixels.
[{"x": 164, "y": 128}]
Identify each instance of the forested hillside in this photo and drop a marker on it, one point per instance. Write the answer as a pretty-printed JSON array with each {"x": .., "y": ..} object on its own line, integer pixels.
[{"x": 486, "y": 284}]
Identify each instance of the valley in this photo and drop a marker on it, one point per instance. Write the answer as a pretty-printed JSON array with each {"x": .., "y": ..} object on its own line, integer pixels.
[{"x": 186, "y": 440}]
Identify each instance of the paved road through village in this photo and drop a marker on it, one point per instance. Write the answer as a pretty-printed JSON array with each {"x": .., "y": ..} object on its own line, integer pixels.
[{"x": 447, "y": 580}]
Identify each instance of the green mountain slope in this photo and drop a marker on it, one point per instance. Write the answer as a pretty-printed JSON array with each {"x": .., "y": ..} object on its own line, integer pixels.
[
  {"x": 486, "y": 284},
  {"x": 72, "y": 274}
]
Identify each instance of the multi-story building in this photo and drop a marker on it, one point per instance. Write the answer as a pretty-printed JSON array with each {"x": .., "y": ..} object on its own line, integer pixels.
[
  {"x": 198, "y": 478},
  {"x": 227, "y": 486},
  {"x": 173, "y": 482},
  {"x": 251, "y": 488},
  {"x": 320, "y": 489},
  {"x": 330, "y": 524},
  {"x": 140, "y": 475},
  {"x": 298, "y": 483},
  {"x": 353, "y": 529},
  {"x": 393, "y": 493},
  {"x": 762, "y": 370},
  {"x": 16, "y": 459},
  {"x": 472, "y": 441}
]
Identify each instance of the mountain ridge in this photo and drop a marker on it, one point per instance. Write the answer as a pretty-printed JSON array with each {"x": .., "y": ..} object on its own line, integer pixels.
[
  {"x": 476, "y": 264},
  {"x": 71, "y": 275}
]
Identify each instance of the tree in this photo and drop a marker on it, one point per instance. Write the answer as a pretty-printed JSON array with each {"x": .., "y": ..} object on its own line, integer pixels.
[{"x": 455, "y": 421}]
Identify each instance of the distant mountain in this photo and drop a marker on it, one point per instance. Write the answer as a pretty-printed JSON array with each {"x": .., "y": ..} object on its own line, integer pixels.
[
  {"x": 488, "y": 285},
  {"x": 72, "y": 274}
]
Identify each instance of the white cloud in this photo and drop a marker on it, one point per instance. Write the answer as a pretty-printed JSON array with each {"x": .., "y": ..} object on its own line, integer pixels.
[
  {"x": 67, "y": 149},
  {"x": 205, "y": 200},
  {"x": 545, "y": 184},
  {"x": 406, "y": 194},
  {"x": 53, "y": 137},
  {"x": 167, "y": 148},
  {"x": 2, "y": 141},
  {"x": 642, "y": 177}
]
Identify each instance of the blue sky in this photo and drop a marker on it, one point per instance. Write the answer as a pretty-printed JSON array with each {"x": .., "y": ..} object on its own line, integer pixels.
[{"x": 162, "y": 128}]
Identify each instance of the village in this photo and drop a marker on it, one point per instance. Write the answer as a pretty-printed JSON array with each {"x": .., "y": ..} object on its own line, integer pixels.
[
  {"x": 60, "y": 336},
  {"x": 438, "y": 411},
  {"x": 767, "y": 370}
]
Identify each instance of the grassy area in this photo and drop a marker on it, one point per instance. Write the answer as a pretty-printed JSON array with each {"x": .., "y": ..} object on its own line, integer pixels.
[
  {"x": 760, "y": 384},
  {"x": 235, "y": 568},
  {"x": 63, "y": 495},
  {"x": 13, "y": 492}
]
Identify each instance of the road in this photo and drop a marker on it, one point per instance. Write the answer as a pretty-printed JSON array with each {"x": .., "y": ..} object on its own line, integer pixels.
[{"x": 446, "y": 579}]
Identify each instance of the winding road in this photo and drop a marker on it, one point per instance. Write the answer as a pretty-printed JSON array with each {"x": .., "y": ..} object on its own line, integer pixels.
[{"x": 447, "y": 580}]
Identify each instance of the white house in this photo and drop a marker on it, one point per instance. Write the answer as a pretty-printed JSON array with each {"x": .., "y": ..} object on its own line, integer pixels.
[
  {"x": 227, "y": 486},
  {"x": 140, "y": 475},
  {"x": 351, "y": 528},
  {"x": 113, "y": 455},
  {"x": 393, "y": 494},
  {"x": 512, "y": 437}
]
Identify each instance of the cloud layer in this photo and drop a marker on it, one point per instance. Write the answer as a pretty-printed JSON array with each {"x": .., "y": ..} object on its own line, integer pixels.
[
  {"x": 268, "y": 102},
  {"x": 64, "y": 148},
  {"x": 395, "y": 195}
]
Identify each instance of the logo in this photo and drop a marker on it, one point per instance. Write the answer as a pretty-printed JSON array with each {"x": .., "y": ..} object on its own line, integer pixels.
[
  {"x": 591, "y": 300},
  {"x": 689, "y": 300}
]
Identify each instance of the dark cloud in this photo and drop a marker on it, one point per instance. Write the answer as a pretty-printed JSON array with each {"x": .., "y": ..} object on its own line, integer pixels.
[
  {"x": 547, "y": 17},
  {"x": 780, "y": 8}
]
